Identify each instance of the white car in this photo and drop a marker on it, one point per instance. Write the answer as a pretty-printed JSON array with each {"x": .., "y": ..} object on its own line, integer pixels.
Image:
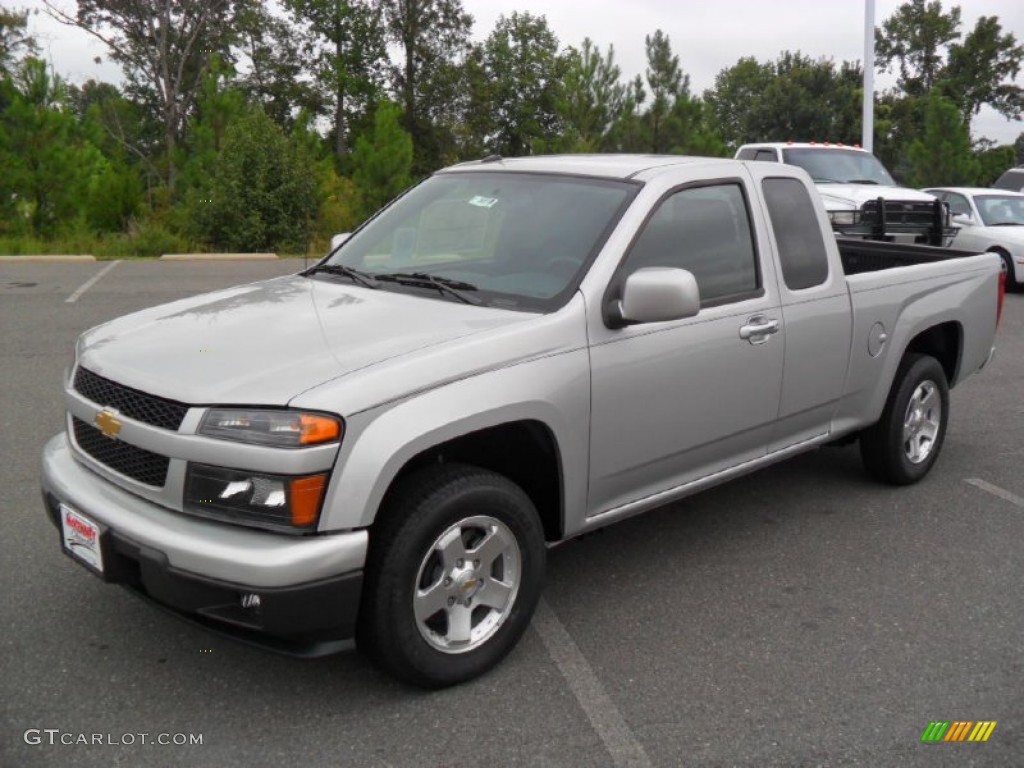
[{"x": 989, "y": 220}]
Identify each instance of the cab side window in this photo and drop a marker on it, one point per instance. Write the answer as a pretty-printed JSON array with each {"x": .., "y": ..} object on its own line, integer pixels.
[{"x": 705, "y": 230}]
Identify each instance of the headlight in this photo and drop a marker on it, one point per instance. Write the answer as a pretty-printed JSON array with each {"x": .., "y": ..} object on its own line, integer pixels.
[
  {"x": 277, "y": 502},
  {"x": 843, "y": 218},
  {"x": 285, "y": 429}
]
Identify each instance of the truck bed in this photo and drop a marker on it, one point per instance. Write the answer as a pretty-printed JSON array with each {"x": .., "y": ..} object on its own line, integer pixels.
[{"x": 872, "y": 255}]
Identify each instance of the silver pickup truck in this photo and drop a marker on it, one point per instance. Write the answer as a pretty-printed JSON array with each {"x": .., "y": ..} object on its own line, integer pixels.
[{"x": 515, "y": 352}]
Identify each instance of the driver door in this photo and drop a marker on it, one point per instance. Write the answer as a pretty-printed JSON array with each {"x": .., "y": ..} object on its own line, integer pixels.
[{"x": 673, "y": 402}]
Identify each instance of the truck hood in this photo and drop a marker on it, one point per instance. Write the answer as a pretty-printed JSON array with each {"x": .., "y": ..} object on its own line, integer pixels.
[
  {"x": 267, "y": 342},
  {"x": 844, "y": 197}
]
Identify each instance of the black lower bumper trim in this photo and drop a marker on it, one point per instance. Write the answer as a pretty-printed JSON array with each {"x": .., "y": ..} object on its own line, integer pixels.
[{"x": 312, "y": 619}]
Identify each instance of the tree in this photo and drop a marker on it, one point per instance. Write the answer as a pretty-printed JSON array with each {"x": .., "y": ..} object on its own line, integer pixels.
[
  {"x": 736, "y": 101},
  {"x": 667, "y": 84},
  {"x": 46, "y": 163},
  {"x": 15, "y": 39},
  {"x": 262, "y": 194},
  {"x": 520, "y": 58},
  {"x": 942, "y": 154},
  {"x": 382, "y": 161},
  {"x": 276, "y": 66},
  {"x": 591, "y": 98},
  {"x": 1018, "y": 148},
  {"x": 913, "y": 39},
  {"x": 982, "y": 69},
  {"x": 992, "y": 161},
  {"x": 921, "y": 42},
  {"x": 794, "y": 97},
  {"x": 433, "y": 36},
  {"x": 345, "y": 42},
  {"x": 164, "y": 47}
]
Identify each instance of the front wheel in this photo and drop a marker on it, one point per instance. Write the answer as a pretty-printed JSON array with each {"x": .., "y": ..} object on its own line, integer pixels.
[
  {"x": 454, "y": 573},
  {"x": 903, "y": 445}
]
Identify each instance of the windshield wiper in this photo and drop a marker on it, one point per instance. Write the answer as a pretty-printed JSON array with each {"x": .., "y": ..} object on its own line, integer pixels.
[
  {"x": 364, "y": 279},
  {"x": 425, "y": 280},
  {"x": 862, "y": 181},
  {"x": 1007, "y": 224}
]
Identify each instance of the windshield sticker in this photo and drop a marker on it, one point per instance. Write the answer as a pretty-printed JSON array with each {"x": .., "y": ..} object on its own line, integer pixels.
[{"x": 483, "y": 202}]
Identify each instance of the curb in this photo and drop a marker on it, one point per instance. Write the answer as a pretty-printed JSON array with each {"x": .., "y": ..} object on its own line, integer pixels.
[
  {"x": 218, "y": 256},
  {"x": 45, "y": 258}
]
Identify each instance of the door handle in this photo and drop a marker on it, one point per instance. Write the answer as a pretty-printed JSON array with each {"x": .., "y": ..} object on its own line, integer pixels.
[{"x": 759, "y": 329}]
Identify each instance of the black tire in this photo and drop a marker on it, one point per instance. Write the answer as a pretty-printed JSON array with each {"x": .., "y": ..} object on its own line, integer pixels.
[
  {"x": 882, "y": 446},
  {"x": 403, "y": 554},
  {"x": 1011, "y": 275}
]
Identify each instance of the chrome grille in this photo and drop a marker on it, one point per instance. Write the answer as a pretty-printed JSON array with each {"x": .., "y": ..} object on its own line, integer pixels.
[
  {"x": 150, "y": 409},
  {"x": 130, "y": 460}
]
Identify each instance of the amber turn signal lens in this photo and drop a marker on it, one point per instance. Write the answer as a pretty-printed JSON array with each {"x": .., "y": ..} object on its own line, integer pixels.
[
  {"x": 307, "y": 493},
  {"x": 318, "y": 429}
]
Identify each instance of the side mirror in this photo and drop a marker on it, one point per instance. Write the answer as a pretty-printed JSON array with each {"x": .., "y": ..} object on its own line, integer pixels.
[
  {"x": 656, "y": 295},
  {"x": 338, "y": 239},
  {"x": 963, "y": 220}
]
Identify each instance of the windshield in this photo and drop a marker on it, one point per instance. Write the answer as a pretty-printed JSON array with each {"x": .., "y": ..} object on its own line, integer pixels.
[
  {"x": 839, "y": 166},
  {"x": 514, "y": 240},
  {"x": 1000, "y": 209}
]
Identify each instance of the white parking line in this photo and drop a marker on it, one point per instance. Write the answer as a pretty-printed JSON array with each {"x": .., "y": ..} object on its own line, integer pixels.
[
  {"x": 995, "y": 490},
  {"x": 602, "y": 713},
  {"x": 90, "y": 283}
]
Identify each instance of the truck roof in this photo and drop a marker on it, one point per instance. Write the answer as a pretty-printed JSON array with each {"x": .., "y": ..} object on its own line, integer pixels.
[
  {"x": 804, "y": 145},
  {"x": 602, "y": 166}
]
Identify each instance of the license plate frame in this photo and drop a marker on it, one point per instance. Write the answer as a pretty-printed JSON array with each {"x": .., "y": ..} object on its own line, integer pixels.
[{"x": 82, "y": 539}]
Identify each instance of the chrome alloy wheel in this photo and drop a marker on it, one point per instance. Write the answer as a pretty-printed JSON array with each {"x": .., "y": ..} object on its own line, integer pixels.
[
  {"x": 921, "y": 422},
  {"x": 467, "y": 584}
]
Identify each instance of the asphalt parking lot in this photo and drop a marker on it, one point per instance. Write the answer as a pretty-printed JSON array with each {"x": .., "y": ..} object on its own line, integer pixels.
[{"x": 802, "y": 616}]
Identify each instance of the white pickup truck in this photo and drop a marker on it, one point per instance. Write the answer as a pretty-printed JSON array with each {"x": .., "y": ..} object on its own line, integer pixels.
[
  {"x": 513, "y": 353},
  {"x": 860, "y": 196}
]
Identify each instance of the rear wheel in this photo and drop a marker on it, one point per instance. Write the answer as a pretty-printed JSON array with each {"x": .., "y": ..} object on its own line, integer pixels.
[
  {"x": 454, "y": 573},
  {"x": 904, "y": 444}
]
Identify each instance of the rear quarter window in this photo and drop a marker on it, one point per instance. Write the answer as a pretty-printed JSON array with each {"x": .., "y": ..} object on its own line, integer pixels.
[{"x": 802, "y": 253}]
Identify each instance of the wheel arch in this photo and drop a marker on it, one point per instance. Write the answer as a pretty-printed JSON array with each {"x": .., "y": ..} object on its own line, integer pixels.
[
  {"x": 525, "y": 451},
  {"x": 944, "y": 342}
]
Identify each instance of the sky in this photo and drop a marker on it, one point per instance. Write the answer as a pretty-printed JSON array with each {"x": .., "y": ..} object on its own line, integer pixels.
[{"x": 707, "y": 35}]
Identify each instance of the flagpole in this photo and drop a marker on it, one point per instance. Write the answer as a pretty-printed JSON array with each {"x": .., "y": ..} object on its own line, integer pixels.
[{"x": 868, "y": 118}]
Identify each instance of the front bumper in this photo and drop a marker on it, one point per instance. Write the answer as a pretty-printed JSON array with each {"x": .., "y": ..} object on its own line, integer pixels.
[{"x": 308, "y": 586}]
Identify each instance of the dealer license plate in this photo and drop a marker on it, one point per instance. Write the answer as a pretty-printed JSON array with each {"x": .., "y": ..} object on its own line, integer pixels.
[{"x": 81, "y": 538}]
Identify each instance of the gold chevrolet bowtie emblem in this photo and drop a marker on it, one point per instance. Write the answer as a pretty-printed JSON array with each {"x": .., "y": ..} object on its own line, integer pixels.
[{"x": 108, "y": 423}]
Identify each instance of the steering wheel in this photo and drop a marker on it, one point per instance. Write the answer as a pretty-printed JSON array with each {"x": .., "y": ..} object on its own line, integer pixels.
[{"x": 563, "y": 266}]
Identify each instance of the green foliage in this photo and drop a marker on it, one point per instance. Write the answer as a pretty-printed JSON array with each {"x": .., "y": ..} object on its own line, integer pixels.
[
  {"x": 921, "y": 42},
  {"x": 345, "y": 41},
  {"x": 47, "y": 164},
  {"x": 262, "y": 194},
  {"x": 433, "y": 36},
  {"x": 668, "y": 85},
  {"x": 591, "y": 99},
  {"x": 792, "y": 98},
  {"x": 942, "y": 154},
  {"x": 982, "y": 70},
  {"x": 382, "y": 162},
  {"x": 298, "y": 143},
  {"x": 912, "y": 41},
  {"x": 992, "y": 162},
  {"x": 523, "y": 68},
  {"x": 14, "y": 38}
]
